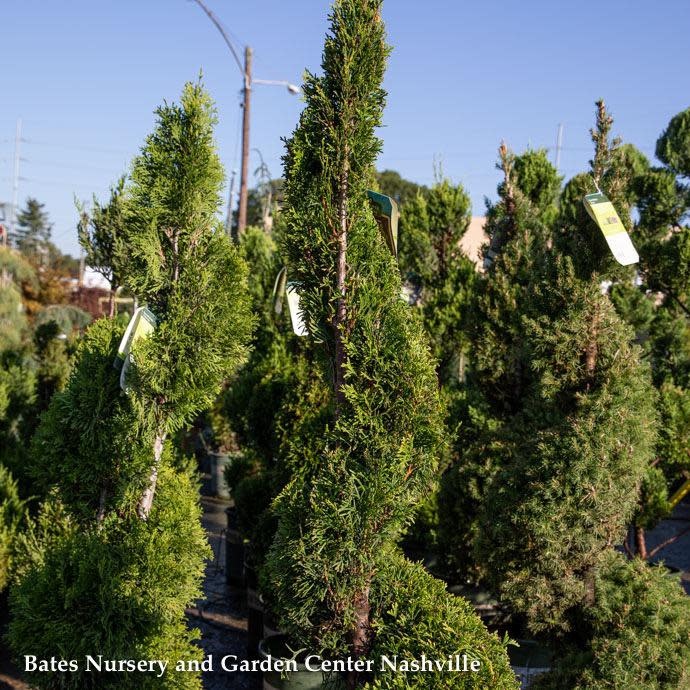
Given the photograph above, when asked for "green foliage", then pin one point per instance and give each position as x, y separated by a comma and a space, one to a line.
392, 184
67, 317
416, 616
576, 234
33, 228
101, 234
567, 423
18, 383
639, 633
556, 504
146, 572
372, 455
12, 512
540, 182
13, 323
435, 223
673, 146
117, 575
90, 443
182, 264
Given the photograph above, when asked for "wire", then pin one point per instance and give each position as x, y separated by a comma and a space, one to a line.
76, 147
53, 164
223, 33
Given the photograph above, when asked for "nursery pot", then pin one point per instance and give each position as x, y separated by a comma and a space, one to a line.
528, 660
255, 612
218, 461
275, 648
234, 551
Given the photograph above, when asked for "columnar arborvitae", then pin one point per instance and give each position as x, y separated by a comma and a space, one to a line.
333, 567
117, 583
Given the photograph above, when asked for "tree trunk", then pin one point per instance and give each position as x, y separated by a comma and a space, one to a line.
146, 500
111, 304
592, 350
641, 542
341, 272
361, 635
100, 516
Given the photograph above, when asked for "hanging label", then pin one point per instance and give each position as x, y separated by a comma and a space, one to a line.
142, 323
296, 315
604, 215
386, 214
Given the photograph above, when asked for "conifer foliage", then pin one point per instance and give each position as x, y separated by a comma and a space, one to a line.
341, 514
581, 428
117, 583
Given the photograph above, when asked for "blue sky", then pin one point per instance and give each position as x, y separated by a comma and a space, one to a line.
86, 76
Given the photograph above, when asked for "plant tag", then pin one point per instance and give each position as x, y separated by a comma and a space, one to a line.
142, 323
604, 215
296, 315
386, 214
279, 290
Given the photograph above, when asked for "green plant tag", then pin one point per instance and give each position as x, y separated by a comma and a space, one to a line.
603, 213
386, 214
142, 323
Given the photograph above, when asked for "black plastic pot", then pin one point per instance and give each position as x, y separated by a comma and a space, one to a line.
234, 551
276, 647
255, 612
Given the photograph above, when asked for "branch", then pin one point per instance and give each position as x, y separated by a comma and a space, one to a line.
668, 542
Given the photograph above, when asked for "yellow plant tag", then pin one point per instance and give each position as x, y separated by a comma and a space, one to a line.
605, 216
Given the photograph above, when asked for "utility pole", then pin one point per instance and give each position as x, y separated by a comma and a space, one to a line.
244, 171
559, 143
15, 175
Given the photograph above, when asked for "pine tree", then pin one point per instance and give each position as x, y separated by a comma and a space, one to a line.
118, 581
33, 228
330, 565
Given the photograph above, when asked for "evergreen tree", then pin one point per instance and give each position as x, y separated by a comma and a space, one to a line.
119, 580
496, 375
581, 426
33, 228
435, 222
101, 236
662, 197
574, 452
340, 515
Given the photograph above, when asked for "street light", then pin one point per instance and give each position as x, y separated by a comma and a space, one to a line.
246, 72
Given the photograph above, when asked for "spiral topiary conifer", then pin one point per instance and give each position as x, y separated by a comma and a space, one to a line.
331, 564
117, 583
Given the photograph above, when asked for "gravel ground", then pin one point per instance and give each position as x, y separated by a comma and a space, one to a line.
221, 615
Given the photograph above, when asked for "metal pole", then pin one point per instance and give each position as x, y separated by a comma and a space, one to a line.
244, 172
15, 175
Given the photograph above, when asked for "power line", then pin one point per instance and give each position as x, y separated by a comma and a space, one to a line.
76, 147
